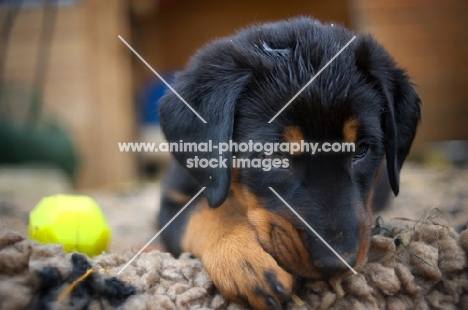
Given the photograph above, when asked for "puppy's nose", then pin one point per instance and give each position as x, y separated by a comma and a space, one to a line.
332, 265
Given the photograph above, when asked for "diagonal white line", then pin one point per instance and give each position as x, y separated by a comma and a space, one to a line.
313, 230
164, 81
312, 79
160, 231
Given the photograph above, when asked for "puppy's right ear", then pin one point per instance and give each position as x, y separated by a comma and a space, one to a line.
211, 85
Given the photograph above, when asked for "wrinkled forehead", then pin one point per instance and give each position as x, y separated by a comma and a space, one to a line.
314, 115
344, 119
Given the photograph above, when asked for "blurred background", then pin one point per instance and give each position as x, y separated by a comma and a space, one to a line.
70, 90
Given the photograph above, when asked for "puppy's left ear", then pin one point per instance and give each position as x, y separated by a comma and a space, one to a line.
401, 108
211, 85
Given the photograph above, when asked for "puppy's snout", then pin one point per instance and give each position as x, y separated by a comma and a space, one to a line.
332, 265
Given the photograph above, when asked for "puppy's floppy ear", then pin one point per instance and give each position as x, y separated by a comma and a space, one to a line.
401, 109
211, 85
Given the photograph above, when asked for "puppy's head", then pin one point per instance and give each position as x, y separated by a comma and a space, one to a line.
239, 83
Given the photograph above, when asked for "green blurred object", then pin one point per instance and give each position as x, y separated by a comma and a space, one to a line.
25, 135
26, 140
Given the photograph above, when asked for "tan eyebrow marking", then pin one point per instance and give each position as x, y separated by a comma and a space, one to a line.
350, 129
293, 134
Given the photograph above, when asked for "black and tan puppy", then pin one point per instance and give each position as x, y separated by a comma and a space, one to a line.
250, 242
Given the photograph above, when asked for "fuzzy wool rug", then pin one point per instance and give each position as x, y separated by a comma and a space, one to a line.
419, 265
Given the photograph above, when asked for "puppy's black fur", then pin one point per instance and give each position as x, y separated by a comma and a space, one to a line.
237, 84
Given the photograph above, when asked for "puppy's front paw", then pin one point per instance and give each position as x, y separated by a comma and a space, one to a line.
245, 273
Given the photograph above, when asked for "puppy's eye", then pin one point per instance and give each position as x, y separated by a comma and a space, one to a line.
272, 156
361, 150
277, 160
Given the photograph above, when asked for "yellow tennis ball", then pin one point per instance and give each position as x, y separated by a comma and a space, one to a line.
75, 222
